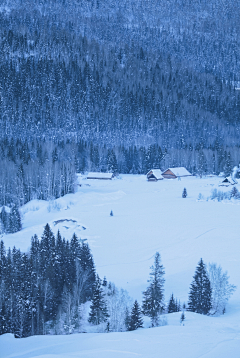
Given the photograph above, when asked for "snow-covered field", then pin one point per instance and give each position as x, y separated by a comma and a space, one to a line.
148, 217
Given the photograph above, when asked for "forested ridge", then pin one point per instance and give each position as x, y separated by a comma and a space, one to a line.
126, 85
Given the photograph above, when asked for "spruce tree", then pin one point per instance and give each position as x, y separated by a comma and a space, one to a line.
15, 223
184, 193
153, 297
172, 307
200, 291
135, 318
88, 269
98, 309
5, 220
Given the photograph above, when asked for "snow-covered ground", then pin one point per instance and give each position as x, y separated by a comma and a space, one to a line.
148, 217
201, 336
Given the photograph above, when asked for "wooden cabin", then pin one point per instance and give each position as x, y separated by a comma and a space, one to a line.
154, 175
100, 176
173, 173
228, 181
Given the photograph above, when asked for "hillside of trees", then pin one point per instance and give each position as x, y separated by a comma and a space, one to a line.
118, 85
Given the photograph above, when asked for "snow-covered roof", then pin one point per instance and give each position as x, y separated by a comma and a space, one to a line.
97, 175
179, 171
229, 180
156, 172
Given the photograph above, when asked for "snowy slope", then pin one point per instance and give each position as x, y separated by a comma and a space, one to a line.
148, 217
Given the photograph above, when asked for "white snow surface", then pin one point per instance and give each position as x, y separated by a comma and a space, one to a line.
147, 217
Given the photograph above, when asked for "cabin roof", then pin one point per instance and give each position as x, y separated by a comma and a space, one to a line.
98, 175
178, 171
229, 180
156, 172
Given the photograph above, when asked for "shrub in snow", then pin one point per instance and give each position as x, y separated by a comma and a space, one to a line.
53, 205
118, 306
220, 287
107, 330
111, 213
184, 193
200, 197
182, 318
235, 193
219, 195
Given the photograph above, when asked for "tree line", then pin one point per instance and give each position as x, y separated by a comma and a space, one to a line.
45, 169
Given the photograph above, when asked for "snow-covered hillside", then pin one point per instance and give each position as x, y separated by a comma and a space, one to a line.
147, 217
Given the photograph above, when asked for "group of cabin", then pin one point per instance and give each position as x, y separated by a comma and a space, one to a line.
170, 173
152, 175
157, 174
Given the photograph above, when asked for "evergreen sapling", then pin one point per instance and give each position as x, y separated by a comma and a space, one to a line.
135, 318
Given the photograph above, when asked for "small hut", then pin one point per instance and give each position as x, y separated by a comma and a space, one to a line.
173, 173
154, 175
228, 181
100, 176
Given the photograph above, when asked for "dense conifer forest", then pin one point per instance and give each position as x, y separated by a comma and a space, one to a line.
119, 86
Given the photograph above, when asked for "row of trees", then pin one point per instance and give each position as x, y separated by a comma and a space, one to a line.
35, 170
209, 293
46, 169
47, 291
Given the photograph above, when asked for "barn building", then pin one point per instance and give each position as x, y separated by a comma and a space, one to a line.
173, 173
154, 175
101, 176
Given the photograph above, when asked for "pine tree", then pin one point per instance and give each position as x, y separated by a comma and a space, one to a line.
98, 309
172, 306
104, 282
88, 269
15, 223
200, 291
135, 318
5, 219
184, 193
111, 213
112, 165
153, 297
